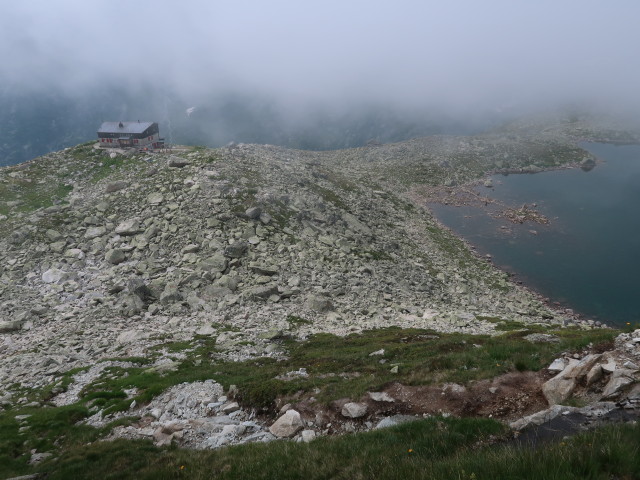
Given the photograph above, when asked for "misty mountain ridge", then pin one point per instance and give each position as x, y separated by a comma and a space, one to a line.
37, 122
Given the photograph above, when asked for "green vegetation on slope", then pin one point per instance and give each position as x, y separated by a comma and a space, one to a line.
435, 448
341, 367
423, 357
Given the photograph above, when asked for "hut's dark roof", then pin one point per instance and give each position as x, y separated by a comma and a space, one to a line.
127, 127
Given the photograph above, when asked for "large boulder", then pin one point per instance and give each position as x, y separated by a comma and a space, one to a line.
560, 387
621, 378
287, 425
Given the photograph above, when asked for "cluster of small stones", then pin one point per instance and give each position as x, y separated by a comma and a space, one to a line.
201, 415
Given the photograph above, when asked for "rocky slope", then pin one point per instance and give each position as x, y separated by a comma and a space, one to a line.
107, 255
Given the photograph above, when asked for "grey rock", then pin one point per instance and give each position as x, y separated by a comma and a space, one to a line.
381, 397
354, 410
634, 394
137, 287
54, 275
92, 220
236, 250
557, 365
395, 420
171, 294
177, 162
191, 248
115, 186
212, 292
620, 379
95, 232
265, 218
130, 336
58, 247
609, 367
253, 212
558, 389
595, 374
227, 281
319, 303
229, 408
271, 334
307, 435
262, 292
39, 457
541, 417
287, 425
542, 338
53, 235
74, 253
10, 326
263, 269
215, 263
18, 237
129, 227
259, 437
115, 256
131, 305
155, 198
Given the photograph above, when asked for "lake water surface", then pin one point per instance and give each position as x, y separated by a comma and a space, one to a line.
588, 257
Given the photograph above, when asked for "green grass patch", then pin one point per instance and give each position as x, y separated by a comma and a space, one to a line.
341, 367
28, 195
435, 448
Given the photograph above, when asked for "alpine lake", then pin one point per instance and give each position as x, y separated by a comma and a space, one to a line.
587, 257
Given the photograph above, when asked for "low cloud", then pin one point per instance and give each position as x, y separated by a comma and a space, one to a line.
458, 56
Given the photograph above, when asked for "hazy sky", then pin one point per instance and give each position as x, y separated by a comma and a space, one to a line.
458, 54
